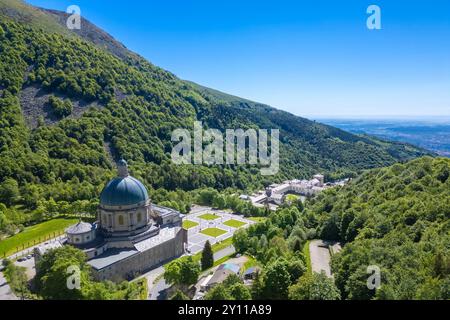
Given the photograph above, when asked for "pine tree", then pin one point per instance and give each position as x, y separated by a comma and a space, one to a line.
207, 256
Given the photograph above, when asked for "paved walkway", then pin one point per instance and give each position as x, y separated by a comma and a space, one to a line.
196, 239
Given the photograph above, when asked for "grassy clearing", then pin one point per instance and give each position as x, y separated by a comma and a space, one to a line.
222, 245
213, 232
251, 262
222, 260
307, 257
34, 234
234, 223
187, 224
208, 216
292, 197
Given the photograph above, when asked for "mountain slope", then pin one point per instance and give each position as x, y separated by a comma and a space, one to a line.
396, 218
120, 105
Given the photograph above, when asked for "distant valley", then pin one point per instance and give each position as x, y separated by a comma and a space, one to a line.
432, 133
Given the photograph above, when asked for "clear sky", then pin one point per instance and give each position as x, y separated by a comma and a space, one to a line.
311, 58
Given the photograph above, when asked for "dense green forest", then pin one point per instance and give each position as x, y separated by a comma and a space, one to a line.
396, 218
70, 107
100, 102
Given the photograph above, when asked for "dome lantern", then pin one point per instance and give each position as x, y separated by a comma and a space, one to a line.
122, 168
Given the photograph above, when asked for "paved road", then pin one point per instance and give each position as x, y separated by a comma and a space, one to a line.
224, 252
5, 290
158, 291
154, 289
320, 257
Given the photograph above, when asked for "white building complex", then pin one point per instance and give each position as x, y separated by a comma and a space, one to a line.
276, 193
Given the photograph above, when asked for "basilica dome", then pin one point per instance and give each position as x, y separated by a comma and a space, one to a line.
123, 190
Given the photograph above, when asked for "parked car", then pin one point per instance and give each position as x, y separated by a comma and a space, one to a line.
29, 256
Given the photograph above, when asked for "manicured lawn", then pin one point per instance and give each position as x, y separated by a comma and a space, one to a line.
234, 223
222, 260
208, 216
213, 232
187, 224
292, 197
34, 234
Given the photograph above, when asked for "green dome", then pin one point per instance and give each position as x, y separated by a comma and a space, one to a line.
123, 191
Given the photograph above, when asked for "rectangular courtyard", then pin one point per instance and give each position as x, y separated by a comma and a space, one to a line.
205, 223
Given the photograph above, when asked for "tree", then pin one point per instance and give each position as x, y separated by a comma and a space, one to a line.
219, 292
276, 281
207, 259
441, 267
207, 196
60, 108
330, 229
9, 191
53, 272
182, 271
314, 287
17, 279
239, 291
240, 240
231, 289
297, 245
179, 295
219, 201
296, 269
58, 266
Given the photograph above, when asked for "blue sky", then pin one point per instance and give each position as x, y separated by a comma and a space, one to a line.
311, 58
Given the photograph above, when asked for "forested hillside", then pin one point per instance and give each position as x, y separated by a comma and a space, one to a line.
72, 104
397, 218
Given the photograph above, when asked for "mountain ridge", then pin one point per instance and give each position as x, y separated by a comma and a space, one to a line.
127, 107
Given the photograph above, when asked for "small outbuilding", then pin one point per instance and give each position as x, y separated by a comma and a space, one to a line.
251, 273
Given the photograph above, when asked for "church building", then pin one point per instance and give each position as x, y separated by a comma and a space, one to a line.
131, 235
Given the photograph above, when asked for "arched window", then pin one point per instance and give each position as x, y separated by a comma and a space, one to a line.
139, 217
121, 222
